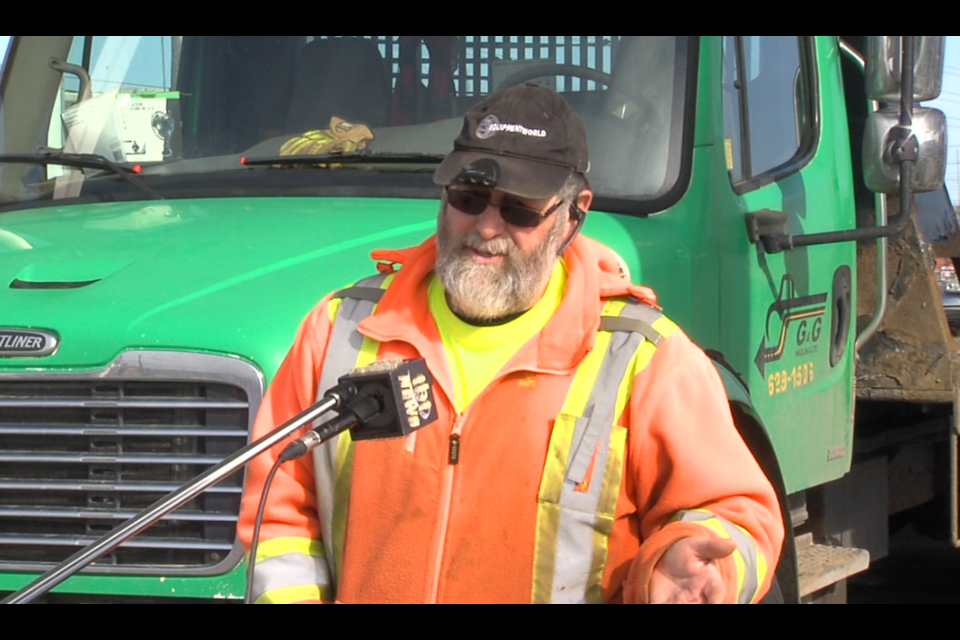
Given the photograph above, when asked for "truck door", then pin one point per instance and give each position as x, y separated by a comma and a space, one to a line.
787, 315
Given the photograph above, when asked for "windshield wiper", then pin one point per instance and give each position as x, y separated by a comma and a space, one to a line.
83, 161
359, 157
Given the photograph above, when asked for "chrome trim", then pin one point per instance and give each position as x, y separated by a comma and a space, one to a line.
123, 404
83, 458
882, 218
51, 342
67, 486
121, 516
133, 544
163, 367
173, 366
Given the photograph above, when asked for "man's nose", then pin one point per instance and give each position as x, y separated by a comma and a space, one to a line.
490, 223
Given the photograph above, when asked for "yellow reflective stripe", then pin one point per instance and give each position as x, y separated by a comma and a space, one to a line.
548, 513
368, 352
341, 498
289, 595
555, 470
640, 361
545, 553
717, 527
613, 478
290, 570
761, 567
747, 557
333, 308
285, 546
665, 327
589, 369
343, 464
609, 497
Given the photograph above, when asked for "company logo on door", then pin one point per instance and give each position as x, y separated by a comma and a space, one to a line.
26, 343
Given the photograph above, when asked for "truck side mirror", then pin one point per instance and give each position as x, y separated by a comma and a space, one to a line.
884, 73
881, 164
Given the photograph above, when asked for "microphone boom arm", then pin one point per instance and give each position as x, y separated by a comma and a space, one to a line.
333, 400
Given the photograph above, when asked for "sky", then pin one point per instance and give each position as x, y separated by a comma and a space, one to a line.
949, 103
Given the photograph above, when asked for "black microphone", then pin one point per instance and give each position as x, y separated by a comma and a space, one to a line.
384, 400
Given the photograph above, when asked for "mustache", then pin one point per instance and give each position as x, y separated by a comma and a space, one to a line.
502, 246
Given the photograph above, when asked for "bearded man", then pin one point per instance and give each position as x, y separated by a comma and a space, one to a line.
584, 452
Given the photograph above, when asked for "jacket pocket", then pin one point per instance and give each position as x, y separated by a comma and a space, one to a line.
577, 473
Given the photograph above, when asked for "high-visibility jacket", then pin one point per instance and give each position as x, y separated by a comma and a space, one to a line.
605, 440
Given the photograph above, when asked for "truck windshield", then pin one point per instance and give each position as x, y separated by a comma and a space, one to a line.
203, 116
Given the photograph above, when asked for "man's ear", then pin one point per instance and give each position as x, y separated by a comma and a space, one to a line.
578, 215
584, 200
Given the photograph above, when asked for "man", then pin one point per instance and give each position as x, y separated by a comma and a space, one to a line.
584, 450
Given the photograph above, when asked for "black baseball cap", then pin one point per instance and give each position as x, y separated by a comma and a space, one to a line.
523, 140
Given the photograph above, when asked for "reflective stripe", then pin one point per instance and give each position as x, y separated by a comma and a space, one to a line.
642, 321
290, 570
583, 473
751, 565
293, 595
346, 350
282, 546
368, 294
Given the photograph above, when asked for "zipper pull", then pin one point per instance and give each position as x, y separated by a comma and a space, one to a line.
454, 450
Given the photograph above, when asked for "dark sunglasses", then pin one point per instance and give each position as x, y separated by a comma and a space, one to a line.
473, 203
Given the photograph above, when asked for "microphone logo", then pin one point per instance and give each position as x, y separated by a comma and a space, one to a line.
415, 394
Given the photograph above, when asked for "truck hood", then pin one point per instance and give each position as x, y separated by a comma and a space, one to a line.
226, 276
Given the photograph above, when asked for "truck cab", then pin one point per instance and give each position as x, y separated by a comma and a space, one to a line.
172, 206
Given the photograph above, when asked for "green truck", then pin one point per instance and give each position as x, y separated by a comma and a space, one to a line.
172, 206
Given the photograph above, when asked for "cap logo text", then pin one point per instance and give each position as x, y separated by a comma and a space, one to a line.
491, 126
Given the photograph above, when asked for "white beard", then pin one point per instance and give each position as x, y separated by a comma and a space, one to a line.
489, 292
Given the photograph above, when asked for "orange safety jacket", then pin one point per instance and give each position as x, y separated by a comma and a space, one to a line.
598, 446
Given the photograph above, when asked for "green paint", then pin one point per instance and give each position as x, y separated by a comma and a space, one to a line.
236, 276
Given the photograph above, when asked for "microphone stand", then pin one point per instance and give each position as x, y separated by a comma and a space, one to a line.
333, 400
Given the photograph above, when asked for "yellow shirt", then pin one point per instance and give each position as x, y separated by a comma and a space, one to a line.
477, 355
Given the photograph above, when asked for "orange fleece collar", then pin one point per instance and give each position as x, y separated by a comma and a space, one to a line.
593, 276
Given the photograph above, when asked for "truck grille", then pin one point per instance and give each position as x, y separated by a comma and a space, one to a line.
82, 453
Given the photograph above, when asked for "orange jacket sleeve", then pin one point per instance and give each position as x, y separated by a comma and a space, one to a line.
693, 476
290, 519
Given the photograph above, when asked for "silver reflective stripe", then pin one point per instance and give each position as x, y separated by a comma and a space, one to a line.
361, 293
745, 546
638, 317
580, 519
291, 570
644, 328
343, 349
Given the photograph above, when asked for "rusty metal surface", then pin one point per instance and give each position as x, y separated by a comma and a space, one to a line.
939, 223
912, 358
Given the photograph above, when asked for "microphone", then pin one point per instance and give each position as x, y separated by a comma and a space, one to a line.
384, 400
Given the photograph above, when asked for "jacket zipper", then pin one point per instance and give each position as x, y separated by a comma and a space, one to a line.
453, 460
446, 503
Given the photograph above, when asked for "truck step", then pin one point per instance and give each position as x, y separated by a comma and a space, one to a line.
821, 566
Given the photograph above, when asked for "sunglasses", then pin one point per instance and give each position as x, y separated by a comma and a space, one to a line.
473, 203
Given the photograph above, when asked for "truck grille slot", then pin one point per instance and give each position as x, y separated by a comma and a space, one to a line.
78, 457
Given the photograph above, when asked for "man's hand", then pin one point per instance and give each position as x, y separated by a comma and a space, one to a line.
689, 572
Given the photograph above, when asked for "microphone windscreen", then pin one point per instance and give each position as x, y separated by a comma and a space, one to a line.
404, 389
